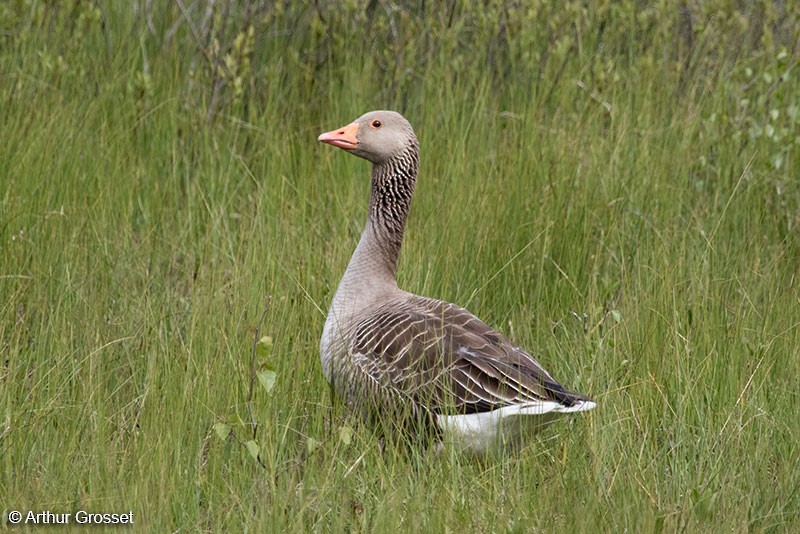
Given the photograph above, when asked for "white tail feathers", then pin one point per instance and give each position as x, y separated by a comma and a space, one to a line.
481, 432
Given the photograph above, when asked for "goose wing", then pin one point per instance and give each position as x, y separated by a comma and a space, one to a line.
444, 358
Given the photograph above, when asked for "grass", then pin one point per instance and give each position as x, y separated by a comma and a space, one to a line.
648, 255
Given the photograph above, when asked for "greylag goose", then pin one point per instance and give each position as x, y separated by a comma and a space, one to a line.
412, 359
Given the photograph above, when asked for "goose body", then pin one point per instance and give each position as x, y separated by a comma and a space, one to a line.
412, 359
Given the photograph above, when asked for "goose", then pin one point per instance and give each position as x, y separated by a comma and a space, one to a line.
418, 362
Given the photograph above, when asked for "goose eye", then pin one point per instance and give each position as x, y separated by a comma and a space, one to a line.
376, 124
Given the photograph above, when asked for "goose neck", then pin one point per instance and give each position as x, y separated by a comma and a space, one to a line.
393, 184
374, 262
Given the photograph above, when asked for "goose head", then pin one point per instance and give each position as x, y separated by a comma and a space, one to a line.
377, 136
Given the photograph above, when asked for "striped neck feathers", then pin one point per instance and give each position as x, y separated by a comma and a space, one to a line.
393, 183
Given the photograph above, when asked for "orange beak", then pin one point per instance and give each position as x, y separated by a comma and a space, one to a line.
343, 137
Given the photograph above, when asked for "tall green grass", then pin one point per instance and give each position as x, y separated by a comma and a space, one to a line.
614, 186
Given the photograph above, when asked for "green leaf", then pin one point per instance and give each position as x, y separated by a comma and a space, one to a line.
223, 430
267, 379
264, 347
253, 449
345, 435
616, 315
312, 445
793, 111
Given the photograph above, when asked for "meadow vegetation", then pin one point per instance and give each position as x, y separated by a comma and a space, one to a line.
615, 185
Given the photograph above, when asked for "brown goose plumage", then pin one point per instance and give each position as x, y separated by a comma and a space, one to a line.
398, 355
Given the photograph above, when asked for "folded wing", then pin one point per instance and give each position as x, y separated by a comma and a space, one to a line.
447, 361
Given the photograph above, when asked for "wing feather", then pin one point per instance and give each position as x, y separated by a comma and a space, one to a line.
445, 359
